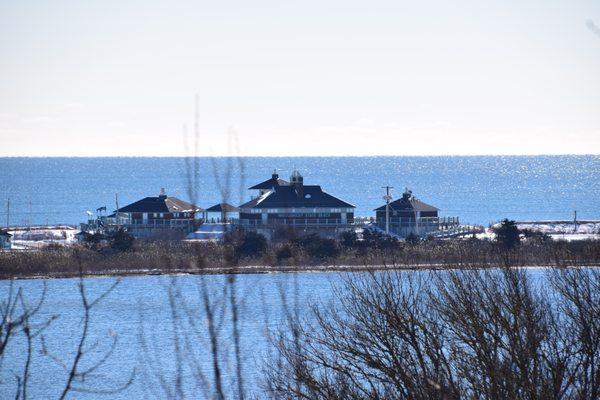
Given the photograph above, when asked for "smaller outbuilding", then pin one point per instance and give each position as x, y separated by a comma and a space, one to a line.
225, 211
5, 240
162, 217
409, 215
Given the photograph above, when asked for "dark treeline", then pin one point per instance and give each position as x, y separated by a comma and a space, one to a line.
291, 251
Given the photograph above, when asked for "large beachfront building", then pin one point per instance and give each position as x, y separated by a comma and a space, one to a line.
304, 208
409, 215
158, 217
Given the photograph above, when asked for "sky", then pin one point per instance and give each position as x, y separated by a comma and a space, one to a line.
311, 77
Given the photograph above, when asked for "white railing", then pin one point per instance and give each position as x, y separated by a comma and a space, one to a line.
324, 222
160, 224
425, 222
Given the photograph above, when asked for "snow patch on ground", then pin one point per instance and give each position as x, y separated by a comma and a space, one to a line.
39, 237
557, 230
563, 228
209, 232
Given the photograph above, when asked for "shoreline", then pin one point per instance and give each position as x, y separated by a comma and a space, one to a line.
263, 269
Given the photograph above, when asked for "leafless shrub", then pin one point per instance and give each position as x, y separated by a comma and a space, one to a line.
501, 334
445, 335
204, 355
17, 317
85, 379
593, 27
197, 323
579, 294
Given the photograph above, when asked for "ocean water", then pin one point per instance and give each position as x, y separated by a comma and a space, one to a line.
479, 190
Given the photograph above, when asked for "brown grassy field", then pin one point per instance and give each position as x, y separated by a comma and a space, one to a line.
199, 258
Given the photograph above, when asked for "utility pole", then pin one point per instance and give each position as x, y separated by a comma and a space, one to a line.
7, 213
387, 199
117, 212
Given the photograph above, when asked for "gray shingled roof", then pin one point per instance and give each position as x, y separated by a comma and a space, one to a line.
310, 196
222, 207
408, 204
274, 181
160, 204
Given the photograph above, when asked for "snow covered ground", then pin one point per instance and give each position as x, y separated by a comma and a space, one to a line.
557, 230
562, 227
38, 237
209, 232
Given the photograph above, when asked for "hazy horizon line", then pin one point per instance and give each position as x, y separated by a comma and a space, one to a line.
314, 156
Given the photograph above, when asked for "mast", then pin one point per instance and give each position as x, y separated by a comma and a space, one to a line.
7, 213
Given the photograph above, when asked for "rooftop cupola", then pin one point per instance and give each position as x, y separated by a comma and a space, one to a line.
163, 194
297, 181
296, 178
407, 195
275, 175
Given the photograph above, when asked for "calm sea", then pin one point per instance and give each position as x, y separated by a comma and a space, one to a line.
479, 190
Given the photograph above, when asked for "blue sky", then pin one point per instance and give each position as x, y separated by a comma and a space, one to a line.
86, 78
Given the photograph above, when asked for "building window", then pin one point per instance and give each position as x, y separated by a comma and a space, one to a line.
162, 215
